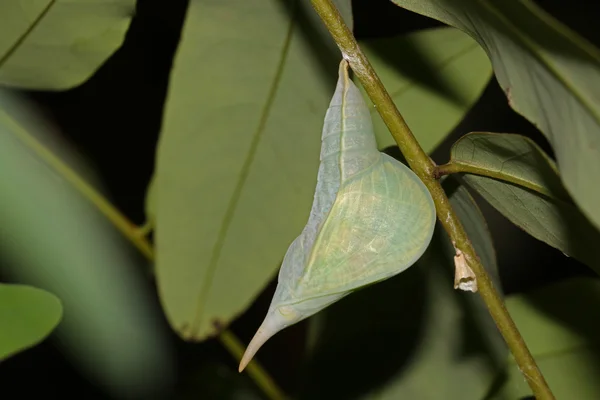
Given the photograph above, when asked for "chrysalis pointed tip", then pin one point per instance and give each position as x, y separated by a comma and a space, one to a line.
267, 329
243, 365
247, 357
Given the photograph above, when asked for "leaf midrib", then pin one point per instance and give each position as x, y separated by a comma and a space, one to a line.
242, 177
479, 170
27, 32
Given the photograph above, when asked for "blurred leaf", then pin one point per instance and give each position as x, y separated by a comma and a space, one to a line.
549, 74
27, 316
540, 206
53, 238
54, 44
238, 155
390, 340
560, 327
434, 77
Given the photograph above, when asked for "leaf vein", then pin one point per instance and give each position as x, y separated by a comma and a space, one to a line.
27, 32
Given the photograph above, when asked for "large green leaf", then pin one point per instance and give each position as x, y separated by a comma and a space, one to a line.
434, 76
535, 200
53, 238
550, 75
560, 326
390, 340
238, 155
27, 316
58, 44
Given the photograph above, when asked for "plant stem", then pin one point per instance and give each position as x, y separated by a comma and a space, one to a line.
424, 167
254, 369
137, 237
454, 167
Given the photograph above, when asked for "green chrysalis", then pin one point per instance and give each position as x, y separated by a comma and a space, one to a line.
371, 219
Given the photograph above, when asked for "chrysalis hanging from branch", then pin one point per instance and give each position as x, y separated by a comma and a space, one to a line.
371, 219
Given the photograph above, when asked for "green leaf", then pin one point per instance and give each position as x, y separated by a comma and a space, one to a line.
558, 322
388, 340
434, 77
533, 198
238, 155
27, 316
549, 74
56, 44
53, 238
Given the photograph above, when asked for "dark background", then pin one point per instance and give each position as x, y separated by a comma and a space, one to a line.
114, 120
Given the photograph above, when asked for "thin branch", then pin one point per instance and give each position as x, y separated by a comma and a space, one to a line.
424, 167
137, 237
254, 369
